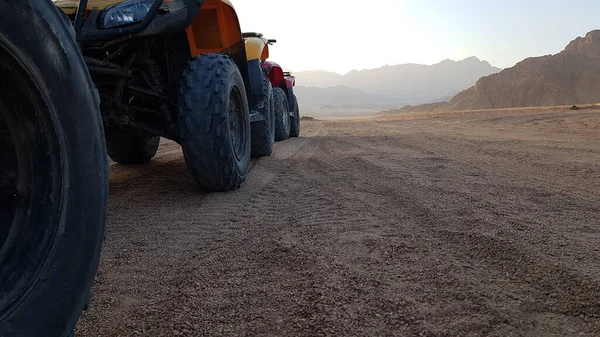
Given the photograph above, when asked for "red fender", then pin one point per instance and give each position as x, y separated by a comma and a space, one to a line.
290, 81
275, 74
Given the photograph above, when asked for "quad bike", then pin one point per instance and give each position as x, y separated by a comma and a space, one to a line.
287, 113
290, 81
177, 69
257, 50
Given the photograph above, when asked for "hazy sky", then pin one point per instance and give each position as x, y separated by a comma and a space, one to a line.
340, 35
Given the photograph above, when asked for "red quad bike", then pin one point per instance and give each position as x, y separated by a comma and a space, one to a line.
287, 113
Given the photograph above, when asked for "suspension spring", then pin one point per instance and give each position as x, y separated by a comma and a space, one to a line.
158, 86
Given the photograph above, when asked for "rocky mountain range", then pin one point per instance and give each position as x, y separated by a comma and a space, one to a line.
406, 83
570, 77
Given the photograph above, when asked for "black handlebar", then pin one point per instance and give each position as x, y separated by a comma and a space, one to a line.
79, 17
258, 35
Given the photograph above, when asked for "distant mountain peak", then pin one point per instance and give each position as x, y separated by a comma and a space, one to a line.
473, 59
567, 78
406, 83
588, 45
447, 61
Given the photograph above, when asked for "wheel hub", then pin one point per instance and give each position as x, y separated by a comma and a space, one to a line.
286, 118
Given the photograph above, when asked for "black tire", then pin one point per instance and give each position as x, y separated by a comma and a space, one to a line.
282, 115
53, 173
131, 150
263, 132
295, 119
215, 123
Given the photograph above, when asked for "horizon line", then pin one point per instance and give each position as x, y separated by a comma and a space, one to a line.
395, 65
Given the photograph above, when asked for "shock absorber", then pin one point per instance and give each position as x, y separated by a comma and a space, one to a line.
158, 86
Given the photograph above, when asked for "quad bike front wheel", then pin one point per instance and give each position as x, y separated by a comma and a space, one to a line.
214, 119
53, 173
263, 131
295, 119
124, 149
282, 115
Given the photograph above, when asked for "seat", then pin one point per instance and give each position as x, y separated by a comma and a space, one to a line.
252, 34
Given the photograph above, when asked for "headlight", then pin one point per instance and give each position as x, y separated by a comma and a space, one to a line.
125, 13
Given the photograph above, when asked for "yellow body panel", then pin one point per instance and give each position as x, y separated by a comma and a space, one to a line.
257, 48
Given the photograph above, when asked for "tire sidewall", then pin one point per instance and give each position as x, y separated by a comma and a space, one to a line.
296, 110
205, 133
263, 131
295, 122
282, 114
241, 164
287, 116
271, 103
128, 150
47, 50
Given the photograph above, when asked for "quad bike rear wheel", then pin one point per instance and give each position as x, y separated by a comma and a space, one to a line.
263, 132
295, 120
282, 115
214, 119
131, 150
53, 173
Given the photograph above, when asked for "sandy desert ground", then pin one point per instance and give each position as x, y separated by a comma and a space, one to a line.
423, 224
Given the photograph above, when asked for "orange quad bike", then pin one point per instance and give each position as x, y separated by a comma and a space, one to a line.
78, 81
179, 70
287, 113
